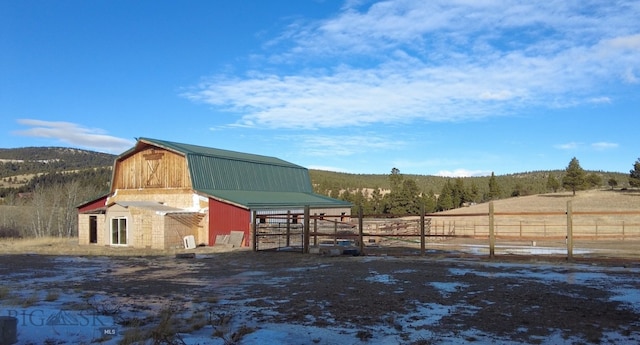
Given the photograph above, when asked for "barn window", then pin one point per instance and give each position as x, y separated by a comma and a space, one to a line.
119, 231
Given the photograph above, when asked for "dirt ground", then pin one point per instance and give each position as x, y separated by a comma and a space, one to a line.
522, 299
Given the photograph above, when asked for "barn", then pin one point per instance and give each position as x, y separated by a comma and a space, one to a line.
164, 192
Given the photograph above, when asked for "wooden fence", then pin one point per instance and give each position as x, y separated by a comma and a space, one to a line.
367, 233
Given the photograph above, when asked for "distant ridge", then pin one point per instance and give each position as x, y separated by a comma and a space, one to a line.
71, 156
21, 169
23, 164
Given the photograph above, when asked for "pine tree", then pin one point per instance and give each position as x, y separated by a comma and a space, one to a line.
575, 176
494, 189
395, 179
445, 201
634, 175
458, 193
376, 201
552, 183
593, 180
429, 201
474, 192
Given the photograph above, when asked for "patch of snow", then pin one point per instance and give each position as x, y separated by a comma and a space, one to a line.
629, 296
58, 321
381, 278
446, 288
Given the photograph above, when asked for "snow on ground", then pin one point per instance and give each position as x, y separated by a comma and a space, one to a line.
63, 320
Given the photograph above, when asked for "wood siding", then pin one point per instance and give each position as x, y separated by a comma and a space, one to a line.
180, 198
151, 168
223, 218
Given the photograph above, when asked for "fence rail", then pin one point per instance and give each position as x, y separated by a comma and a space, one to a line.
280, 231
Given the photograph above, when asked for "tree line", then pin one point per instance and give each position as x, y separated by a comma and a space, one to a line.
33, 160
404, 195
47, 204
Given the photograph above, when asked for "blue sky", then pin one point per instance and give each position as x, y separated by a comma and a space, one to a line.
452, 88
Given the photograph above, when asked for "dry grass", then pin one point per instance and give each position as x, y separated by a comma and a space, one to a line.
70, 246
591, 200
607, 221
606, 203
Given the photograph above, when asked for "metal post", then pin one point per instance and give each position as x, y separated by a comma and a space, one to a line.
361, 230
315, 229
492, 236
254, 225
305, 244
289, 228
422, 232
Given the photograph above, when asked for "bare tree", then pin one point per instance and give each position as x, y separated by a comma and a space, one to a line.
68, 216
45, 202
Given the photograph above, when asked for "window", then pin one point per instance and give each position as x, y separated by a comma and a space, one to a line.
119, 231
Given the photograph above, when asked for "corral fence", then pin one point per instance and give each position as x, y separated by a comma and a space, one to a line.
286, 231
506, 232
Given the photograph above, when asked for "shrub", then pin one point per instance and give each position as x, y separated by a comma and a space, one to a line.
9, 232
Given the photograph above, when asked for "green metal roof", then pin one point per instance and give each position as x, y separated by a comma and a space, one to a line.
247, 179
188, 149
261, 199
218, 173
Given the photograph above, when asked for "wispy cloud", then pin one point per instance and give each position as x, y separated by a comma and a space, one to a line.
328, 168
319, 145
603, 99
405, 61
601, 146
463, 173
74, 134
568, 146
598, 146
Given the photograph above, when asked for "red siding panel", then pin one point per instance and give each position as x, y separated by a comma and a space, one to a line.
93, 205
223, 218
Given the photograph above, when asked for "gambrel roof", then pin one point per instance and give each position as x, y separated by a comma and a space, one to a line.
249, 180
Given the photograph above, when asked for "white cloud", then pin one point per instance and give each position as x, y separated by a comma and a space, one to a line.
630, 76
600, 146
568, 146
462, 173
496, 95
406, 61
74, 134
602, 99
630, 42
342, 145
327, 168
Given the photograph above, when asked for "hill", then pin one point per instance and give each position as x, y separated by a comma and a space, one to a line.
605, 200
518, 184
54, 157
21, 169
